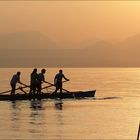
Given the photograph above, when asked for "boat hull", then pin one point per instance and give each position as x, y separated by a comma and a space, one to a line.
70, 95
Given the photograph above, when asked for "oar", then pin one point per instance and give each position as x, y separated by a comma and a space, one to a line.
47, 86
51, 85
15, 89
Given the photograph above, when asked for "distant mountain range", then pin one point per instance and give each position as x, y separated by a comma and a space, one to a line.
34, 49
25, 40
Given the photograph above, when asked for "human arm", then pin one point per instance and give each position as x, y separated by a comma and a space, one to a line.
20, 82
65, 78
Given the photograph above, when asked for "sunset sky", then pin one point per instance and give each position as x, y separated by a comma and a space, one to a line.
74, 21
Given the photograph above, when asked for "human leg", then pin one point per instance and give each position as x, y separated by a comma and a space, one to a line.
13, 87
39, 89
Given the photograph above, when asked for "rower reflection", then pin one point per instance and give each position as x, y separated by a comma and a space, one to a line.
36, 104
58, 103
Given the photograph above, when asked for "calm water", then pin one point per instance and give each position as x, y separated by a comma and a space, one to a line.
114, 114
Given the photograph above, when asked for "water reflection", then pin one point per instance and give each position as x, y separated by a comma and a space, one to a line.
14, 105
58, 103
59, 125
35, 120
36, 117
15, 111
36, 104
15, 116
36, 107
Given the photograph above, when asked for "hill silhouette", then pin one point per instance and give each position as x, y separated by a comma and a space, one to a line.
25, 40
30, 49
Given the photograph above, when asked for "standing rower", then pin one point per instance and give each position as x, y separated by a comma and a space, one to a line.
34, 81
41, 79
58, 81
15, 79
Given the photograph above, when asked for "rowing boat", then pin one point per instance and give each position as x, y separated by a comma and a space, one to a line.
74, 94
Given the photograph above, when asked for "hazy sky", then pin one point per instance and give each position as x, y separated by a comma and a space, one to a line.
72, 20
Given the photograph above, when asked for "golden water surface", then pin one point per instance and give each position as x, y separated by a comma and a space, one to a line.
113, 114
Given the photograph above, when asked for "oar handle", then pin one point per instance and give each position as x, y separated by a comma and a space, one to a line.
25, 85
47, 86
54, 85
15, 89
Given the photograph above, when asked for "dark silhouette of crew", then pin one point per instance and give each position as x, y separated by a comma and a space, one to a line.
58, 81
33, 81
41, 79
15, 79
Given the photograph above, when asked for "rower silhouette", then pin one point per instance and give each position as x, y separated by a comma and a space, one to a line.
58, 81
33, 81
41, 79
15, 79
